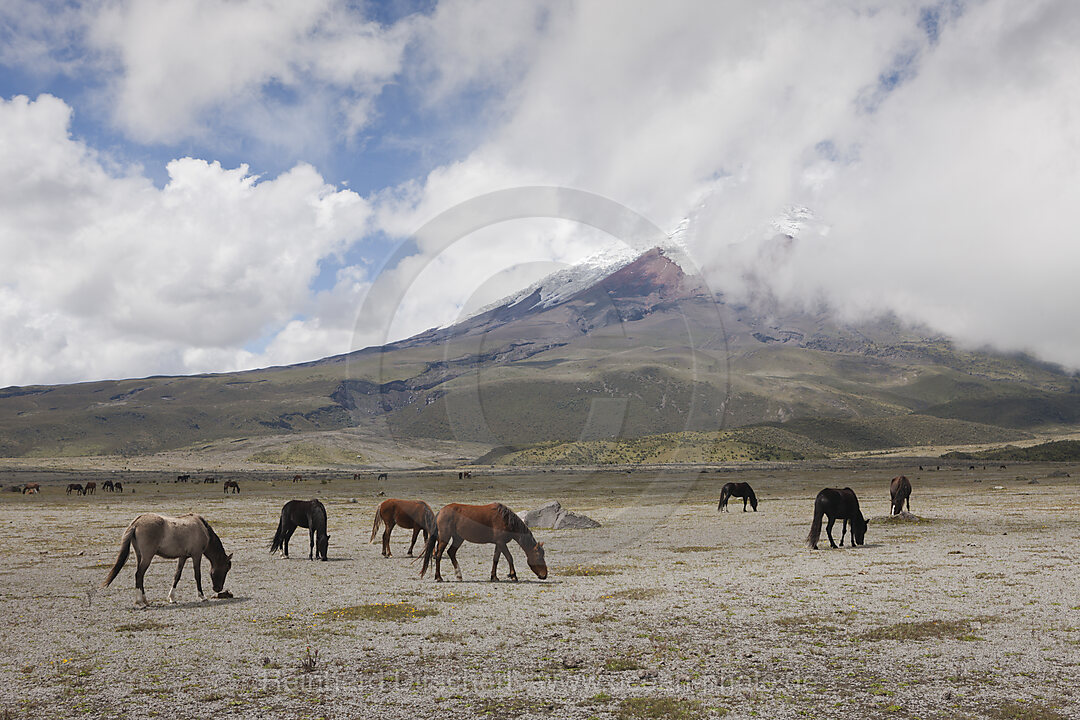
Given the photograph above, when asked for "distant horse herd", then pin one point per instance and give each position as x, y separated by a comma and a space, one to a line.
191, 536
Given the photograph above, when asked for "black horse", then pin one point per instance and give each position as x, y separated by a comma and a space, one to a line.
900, 492
838, 505
742, 490
308, 514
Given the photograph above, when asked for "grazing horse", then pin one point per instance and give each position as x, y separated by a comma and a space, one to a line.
209, 480
231, 485
484, 524
90, 488
308, 514
415, 515
107, 486
297, 478
119, 487
838, 505
899, 492
183, 478
742, 490
31, 488
187, 536
76, 487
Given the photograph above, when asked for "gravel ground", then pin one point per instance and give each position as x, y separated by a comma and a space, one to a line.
669, 610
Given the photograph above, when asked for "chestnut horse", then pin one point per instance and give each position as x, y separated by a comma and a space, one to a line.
31, 488
899, 492
484, 524
838, 505
187, 536
742, 490
415, 515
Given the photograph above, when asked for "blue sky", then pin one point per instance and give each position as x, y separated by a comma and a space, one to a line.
209, 185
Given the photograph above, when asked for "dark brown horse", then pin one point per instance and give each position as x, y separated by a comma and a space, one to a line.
310, 514
187, 536
90, 488
76, 487
484, 524
742, 490
838, 505
107, 486
119, 487
231, 485
900, 492
415, 515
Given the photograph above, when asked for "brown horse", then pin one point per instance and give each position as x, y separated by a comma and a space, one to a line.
415, 515
107, 486
119, 487
90, 488
31, 488
899, 492
187, 536
484, 524
231, 485
76, 487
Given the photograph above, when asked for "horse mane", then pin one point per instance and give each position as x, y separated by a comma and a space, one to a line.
513, 523
215, 542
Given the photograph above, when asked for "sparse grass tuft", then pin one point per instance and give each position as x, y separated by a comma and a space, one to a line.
621, 664
694, 548
645, 708
140, 626
926, 630
586, 571
398, 612
1020, 710
634, 594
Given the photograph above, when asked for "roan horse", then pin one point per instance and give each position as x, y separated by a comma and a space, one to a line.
415, 515
900, 492
742, 490
187, 536
838, 505
492, 523
308, 514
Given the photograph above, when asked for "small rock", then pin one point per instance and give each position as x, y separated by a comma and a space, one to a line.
646, 674
571, 662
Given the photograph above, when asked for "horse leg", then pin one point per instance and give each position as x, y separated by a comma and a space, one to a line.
285, 543
386, 538
509, 558
843, 531
438, 559
744, 501
176, 578
196, 565
415, 534
140, 573
311, 541
495, 564
828, 531
452, 553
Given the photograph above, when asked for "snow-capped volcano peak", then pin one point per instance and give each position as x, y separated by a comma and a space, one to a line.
569, 281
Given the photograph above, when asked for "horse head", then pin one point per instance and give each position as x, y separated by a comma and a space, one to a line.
858, 529
219, 571
321, 543
535, 558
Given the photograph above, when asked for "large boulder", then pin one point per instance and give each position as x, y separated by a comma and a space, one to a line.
552, 515
543, 516
573, 521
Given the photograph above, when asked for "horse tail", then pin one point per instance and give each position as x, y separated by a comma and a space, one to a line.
279, 536
815, 527
724, 493
375, 525
429, 548
122, 556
